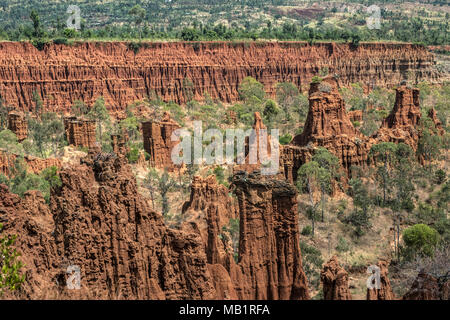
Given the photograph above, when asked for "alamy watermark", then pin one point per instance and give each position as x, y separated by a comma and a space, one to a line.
74, 20
73, 281
208, 147
374, 281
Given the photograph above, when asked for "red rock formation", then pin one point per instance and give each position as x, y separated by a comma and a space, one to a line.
31, 220
119, 142
269, 252
210, 208
356, 115
18, 124
34, 164
427, 287
122, 247
385, 291
80, 132
85, 71
402, 123
158, 143
328, 125
334, 280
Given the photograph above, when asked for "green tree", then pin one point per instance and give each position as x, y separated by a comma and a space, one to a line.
287, 95
138, 14
8, 141
10, 267
79, 108
421, 240
47, 133
311, 177
251, 88
38, 104
383, 152
359, 218
100, 114
331, 165
270, 110
36, 23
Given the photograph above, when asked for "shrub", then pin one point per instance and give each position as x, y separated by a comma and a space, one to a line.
285, 139
343, 245
10, 267
306, 231
421, 240
316, 79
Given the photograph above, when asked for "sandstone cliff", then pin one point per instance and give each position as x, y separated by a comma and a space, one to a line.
334, 280
62, 73
385, 292
269, 251
427, 287
158, 143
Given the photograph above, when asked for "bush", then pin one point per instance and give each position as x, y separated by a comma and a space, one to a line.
10, 267
316, 79
343, 245
440, 176
312, 263
285, 139
421, 240
307, 231
133, 155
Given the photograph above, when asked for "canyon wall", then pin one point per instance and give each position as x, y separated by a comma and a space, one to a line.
61, 74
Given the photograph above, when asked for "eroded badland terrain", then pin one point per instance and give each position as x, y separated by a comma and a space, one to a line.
87, 178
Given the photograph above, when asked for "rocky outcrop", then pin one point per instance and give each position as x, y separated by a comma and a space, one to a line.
210, 208
427, 287
385, 292
355, 115
158, 143
103, 225
86, 70
80, 132
34, 164
98, 222
32, 221
328, 125
402, 123
269, 251
334, 280
119, 142
18, 124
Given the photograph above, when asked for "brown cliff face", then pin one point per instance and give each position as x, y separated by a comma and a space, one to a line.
18, 124
123, 248
385, 291
356, 115
80, 132
119, 143
269, 251
158, 143
427, 287
31, 219
334, 279
34, 164
98, 221
402, 123
210, 208
84, 71
328, 125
